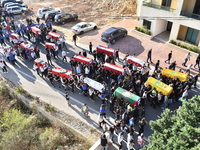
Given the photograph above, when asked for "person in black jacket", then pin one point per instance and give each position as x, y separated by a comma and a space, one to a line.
104, 142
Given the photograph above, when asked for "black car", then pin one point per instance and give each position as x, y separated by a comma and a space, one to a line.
50, 16
112, 34
65, 17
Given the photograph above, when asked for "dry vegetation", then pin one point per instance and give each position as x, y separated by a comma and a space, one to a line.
100, 11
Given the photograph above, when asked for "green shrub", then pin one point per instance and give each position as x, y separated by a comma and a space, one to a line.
48, 107
143, 30
186, 46
4, 92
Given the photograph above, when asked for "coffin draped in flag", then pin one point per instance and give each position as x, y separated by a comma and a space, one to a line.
106, 50
27, 46
127, 96
159, 86
35, 30
50, 45
136, 61
54, 35
39, 62
94, 84
175, 74
14, 36
114, 68
82, 59
62, 72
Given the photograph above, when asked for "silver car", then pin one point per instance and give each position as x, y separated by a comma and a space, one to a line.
83, 27
15, 10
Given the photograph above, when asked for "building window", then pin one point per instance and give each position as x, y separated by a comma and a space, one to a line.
191, 35
147, 24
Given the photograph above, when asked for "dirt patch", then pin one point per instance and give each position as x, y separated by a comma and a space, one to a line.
98, 11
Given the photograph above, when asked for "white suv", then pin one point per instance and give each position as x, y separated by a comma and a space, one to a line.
42, 11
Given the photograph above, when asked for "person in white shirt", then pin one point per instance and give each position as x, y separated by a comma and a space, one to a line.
130, 136
188, 69
33, 56
87, 71
130, 145
64, 54
48, 38
120, 139
78, 69
187, 57
15, 41
58, 42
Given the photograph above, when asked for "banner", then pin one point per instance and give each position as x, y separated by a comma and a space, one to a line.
126, 95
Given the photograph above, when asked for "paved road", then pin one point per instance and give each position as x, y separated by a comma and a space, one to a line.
23, 74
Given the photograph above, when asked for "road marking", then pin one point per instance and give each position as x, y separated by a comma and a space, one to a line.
76, 100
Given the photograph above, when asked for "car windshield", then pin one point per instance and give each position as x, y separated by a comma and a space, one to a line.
77, 26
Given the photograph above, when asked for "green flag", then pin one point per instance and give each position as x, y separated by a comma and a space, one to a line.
126, 95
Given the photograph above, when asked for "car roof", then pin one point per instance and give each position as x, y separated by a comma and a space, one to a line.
111, 30
82, 23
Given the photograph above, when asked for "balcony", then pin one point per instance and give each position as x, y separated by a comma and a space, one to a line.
149, 4
191, 15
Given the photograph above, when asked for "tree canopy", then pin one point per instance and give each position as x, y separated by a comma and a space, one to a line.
179, 130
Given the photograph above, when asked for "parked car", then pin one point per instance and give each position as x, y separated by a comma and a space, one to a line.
15, 10
83, 27
42, 11
23, 6
112, 34
50, 16
10, 1
65, 17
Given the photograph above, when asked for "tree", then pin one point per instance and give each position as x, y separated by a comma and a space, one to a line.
179, 130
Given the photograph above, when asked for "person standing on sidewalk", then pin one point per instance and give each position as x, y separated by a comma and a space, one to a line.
104, 142
169, 58
74, 38
67, 97
187, 57
149, 56
90, 47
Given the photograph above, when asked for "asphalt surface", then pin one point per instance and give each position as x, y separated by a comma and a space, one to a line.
23, 74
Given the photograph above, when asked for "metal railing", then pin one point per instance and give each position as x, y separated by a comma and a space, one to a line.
149, 4
191, 15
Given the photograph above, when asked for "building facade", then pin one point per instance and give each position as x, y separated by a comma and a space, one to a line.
181, 18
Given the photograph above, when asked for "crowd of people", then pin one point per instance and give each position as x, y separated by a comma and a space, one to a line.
133, 79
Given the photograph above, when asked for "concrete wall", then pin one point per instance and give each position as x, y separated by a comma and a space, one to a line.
159, 27
188, 6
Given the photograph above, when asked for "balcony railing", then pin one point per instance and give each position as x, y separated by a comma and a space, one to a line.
194, 16
149, 4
